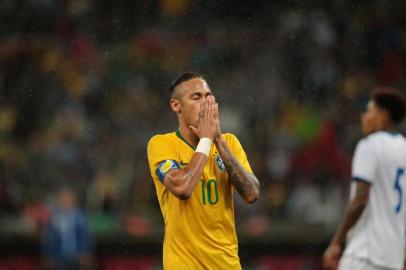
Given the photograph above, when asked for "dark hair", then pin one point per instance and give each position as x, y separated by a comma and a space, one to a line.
183, 78
392, 101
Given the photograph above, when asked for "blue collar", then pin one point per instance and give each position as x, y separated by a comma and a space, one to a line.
392, 132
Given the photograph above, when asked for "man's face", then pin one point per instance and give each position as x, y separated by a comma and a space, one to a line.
188, 99
372, 119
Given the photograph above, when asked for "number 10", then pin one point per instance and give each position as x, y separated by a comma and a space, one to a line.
210, 187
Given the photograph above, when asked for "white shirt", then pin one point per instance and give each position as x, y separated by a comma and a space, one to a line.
379, 234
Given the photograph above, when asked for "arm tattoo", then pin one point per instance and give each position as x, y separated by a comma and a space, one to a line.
244, 182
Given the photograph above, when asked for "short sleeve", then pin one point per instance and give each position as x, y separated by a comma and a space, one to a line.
162, 157
364, 162
238, 151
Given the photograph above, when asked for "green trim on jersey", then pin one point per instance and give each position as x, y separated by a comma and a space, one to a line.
183, 139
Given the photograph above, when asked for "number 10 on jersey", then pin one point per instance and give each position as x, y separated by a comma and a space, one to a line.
210, 191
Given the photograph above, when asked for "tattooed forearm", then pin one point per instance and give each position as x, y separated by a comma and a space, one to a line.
244, 182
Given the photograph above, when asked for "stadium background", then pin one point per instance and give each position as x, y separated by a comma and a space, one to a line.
84, 85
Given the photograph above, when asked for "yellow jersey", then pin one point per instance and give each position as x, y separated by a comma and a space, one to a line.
199, 232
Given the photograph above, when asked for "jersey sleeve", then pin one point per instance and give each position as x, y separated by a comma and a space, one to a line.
162, 157
364, 162
238, 151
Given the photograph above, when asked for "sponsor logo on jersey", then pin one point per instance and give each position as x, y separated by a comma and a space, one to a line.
183, 164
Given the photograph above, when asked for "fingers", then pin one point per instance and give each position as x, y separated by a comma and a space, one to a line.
216, 111
210, 109
207, 125
211, 100
211, 103
201, 112
207, 108
213, 111
203, 109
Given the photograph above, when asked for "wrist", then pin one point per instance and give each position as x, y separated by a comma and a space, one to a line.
210, 137
204, 146
218, 138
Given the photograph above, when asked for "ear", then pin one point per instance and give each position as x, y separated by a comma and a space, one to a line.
175, 105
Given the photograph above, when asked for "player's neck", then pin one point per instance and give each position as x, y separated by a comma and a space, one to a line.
188, 135
388, 127
385, 128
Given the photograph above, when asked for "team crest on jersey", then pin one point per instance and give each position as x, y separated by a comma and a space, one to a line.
219, 163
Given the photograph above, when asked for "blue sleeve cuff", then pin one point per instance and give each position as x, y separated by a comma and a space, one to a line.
361, 179
164, 167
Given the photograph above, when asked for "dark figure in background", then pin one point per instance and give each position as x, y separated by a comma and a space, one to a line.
66, 243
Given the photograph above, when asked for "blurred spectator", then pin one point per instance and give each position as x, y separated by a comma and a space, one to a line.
66, 240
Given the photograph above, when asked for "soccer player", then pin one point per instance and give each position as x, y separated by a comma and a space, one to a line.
195, 171
375, 220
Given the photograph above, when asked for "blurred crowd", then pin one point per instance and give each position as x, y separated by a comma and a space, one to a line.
84, 85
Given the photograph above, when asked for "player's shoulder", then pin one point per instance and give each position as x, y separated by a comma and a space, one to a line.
369, 140
229, 136
382, 135
371, 137
161, 138
377, 139
232, 141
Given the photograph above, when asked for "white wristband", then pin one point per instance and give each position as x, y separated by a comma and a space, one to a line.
204, 146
